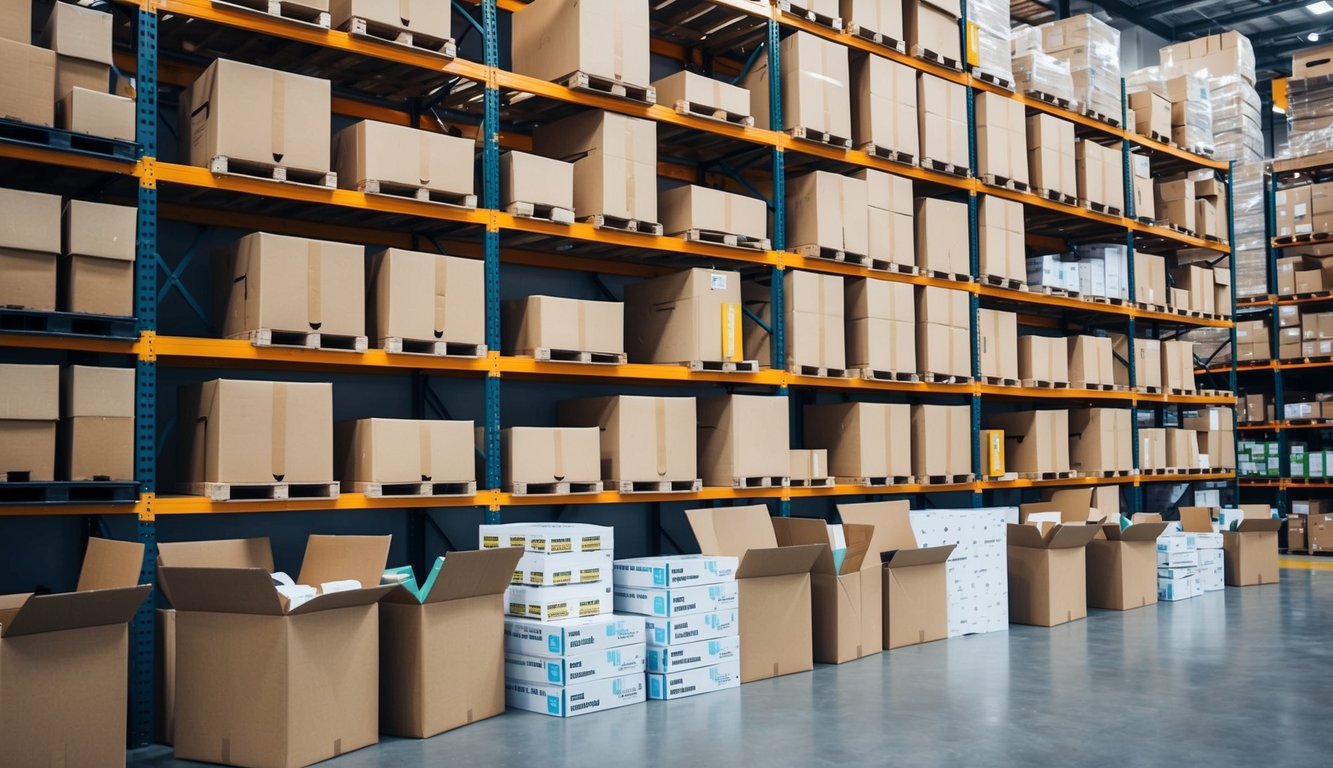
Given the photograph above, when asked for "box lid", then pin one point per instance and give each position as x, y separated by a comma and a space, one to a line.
466, 574
747, 532
803, 530
893, 539
1060, 536
1134, 532
1196, 519
223, 553
334, 558
109, 564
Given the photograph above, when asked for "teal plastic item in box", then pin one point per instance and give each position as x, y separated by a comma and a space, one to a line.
407, 578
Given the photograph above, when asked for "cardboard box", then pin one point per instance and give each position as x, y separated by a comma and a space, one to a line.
536, 180
218, 115
816, 87
78, 32
74, 73
545, 455
941, 245
775, 588
742, 436
890, 214
702, 94
1297, 540
1043, 358
403, 451
97, 422
932, 28
98, 114
643, 439
1101, 440
1178, 365
556, 323
1001, 128
425, 298
256, 432
1091, 361
64, 662
99, 251
1150, 279
691, 207
881, 325
1198, 281
545, 569
29, 246
864, 440
372, 156
997, 343
556, 602
423, 18
580, 699
1315, 533
1048, 572
809, 466
884, 97
26, 96
548, 538
16, 20
826, 210
1122, 566
719, 676
694, 315
230, 710
942, 121
602, 38
1051, 165
1145, 202
1034, 441
1152, 114
1175, 202
941, 440
615, 162
676, 601
1182, 449
943, 332
674, 571
1251, 552
690, 629
568, 636
258, 276
815, 321
575, 668
1002, 231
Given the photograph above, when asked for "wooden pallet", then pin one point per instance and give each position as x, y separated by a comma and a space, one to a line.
880, 265
804, 12
228, 166
1043, 384
1004, 182
268, 337
829, 254
18, 488
1160, 138
819, 137
418, 193
1114, 122
628, 487
1061, 475
1102, 208
1050, 290
935, 57
577, 356
820, 371
723, 366
707, 112
1156, 471
603, 221
1093, 386
856, 30
1176, 228
1146, 390
56, 138
1103, 473
889, 155
606, 86
871, 374
398, 346
281, 8
1203, 150
564, 488
1058, 197
957, 277
876, 482
551, 213
760, 482
944, 378
713, 237
263, 491
998, 81
1180, 391
938, 166
418, 489
386, 33
1046, 98
1000, 381
943, 479
814, 482
67, 323
1216, 393
1308, 237
1003, 282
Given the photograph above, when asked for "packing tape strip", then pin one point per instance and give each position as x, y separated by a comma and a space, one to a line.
314, 285
630, 154
279, 444
659, 409
279, 124
426, 449
441, 284
423, 157
558, 446
405, 15
618, 40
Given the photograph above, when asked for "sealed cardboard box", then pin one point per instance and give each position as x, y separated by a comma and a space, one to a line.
1043, 358
702, 95
674, 571
881, 325
890, 217
1048, 572
29, 247
64, 663
256, 432
882, 16
931, 27
847, 601
809, 466
742, 437
74, 73
218, 114
943, 340
1175, 202
615, 162
425, 298
78, 32
884, 108
1295, 214
1150, 279
1051, 165
698, 680
692, 207
815, 321
776, 621
97, 417
644, 440
1152, 114
98, 114
1182, 449
828, 211
16, 20
549, 455
259, 276
1122, 566
1001, 137
1145, 203
29, 410
941, 245
1178, 365
99, 250
544, 323
1003, 247
605, 39
1101, 440
816, 87
26, 96
1090, 361
942, 121
1198, 281
427, 21
371, 156
1034, 441
536, 181
684, 317
377, 452
864, 440
941, 440
1152, 449
997, 343
576, 668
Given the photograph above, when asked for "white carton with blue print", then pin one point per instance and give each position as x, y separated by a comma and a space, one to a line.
669, 659
685, 601
580, 699
539, 569
674, 571
678, 685
577, 668
571, 636
1179, 584
691, 629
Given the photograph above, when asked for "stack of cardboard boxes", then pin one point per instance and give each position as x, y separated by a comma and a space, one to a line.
81, 39
816, 89
615, 162
1036, 443
602, 39
941, 443
1216, 435
1175, 202
685, 317
414, 457
1051, 165
997, 345
1001, 124
1310, 526
1036, 71
1092, 48
890, 209
1253, 343
884, 106
865, 441
1002, 234
92, 408
827, 212
1043, 359
943, 332
881, 326
1091, 361
1100, 441
1099, 176
647, 443
932, 28
942, 120
743, 441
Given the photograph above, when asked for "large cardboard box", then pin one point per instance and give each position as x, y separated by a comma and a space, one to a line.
99, 251
1295, 213
943, 332
16, 20
536, 180
742, 436
941, 440
683, 317
1043, 358
884, 108
702, 94
933, 27
1153, 449
881, 325
1034, 441
442, 645
97, 419
816, 87
864, 440
25, 95
882, 16
1091, 361
403, 451
847, 599
713, 210
1122, 566
776, 620
1251, 551
318, 695
64, 663
942, 121
557, 323
1001, 137
1051, 165
1175, 202
78, 32
997, 343
1003, 232
548, 455
1152, 114
1150, 279
1182, 449
1198, 281
74, 73
423, 18
815, 321
1048, 572
1101, 440
396, 157
1178, 365
890, 212
256, 432
605, 39
98, 114
828, 211
425, 297
615, 162
218, 114
643, 439
941, 245
261, 279
29, 247
29, 410
1099, 174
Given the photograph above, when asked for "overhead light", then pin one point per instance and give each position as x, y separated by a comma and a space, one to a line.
1320, 8
1313, 37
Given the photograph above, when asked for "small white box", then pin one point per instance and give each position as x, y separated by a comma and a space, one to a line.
577, 668
1171, 590
1189, 559
689, 629
674, 571
552, 603
572, 700
540, 569
1174, 541
668, 659
685, 601
552, 538
678, 685
1212, 498
1207, 541
571, 636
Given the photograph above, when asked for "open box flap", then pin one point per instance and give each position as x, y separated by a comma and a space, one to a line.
779, 561
348, 599
858, 546
75, 610
110, 564
469, 574
1196, 519
1134, 532
222, 590
1072, 535
732, 530
794, 531
890, 521
1146, 517
10, 606
223, 553
906, 558
1260, 525
336, 558
1025, 535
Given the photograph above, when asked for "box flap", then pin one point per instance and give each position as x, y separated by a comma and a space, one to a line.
795, 531
1024, 535
335, 558
858, 546
1135, 532
1071, 535
473, 573
779, 561
732, 530
221, 590
1196, 519
906, 558
1146, 517
891, 523
349, 599
75, 610
1072, 508
223, 553
9, 607
1258, 526
110, 564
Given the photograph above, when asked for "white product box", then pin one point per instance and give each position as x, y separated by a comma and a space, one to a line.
978, 569
1210, 498
577, 668
1208, 541
1211, 575
1173, 541
685, 601
668, 659
674, 571
552, 538
572, 700
1182, 559
571, 636
551, 603
1092, 275
678, 685
540, 569
690, 629
1171, 590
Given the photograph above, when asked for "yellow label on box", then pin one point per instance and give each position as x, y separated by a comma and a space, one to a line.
992, 449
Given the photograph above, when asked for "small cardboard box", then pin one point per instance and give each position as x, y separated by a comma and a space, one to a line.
1034, 441
557, 323
442, 646
943, 332
544, 455
884, 108
864, 440
29, 247
1178, 365
913, 578
690, 629
29, 410
847, 600
941, 245
668, 659
702, 94
816, 86
551, 603
742, 436
568, 636
691, 207
828, 211
396, 157
403, 451
1043, 358
1091, 360
692, 682
97, 272
941, 442
218, 114
1182, 449
601, 38
683, 317
1150, 279
942, 121
64, 662
776, 621
98, 114
97, 419
1122, 566
997, 343
26, 96
1175, 202
536, 180
79, 33
262, 279
423, 18
615, 162
643, 439
881, 325
1048, 572
425, 297
1199, 282
1152, 113
809, 466
1001, 137
542, 569
74, 73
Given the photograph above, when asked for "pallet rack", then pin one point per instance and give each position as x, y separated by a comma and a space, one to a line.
165, 191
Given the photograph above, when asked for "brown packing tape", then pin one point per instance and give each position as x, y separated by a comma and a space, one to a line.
279, 125
279, 431
661, 425
314, 286
630, 155
426, 449
822, 350
618, 38
441, 283
423, 157
405, 15
558, 446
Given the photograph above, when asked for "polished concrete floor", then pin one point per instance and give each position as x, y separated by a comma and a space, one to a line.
1233, 678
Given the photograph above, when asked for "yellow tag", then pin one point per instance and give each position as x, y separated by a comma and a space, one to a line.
973, 44
732, 346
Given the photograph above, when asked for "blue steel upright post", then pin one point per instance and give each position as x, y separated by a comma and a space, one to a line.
1233, 379
490, 163
777, 340
973, 297
1127, 172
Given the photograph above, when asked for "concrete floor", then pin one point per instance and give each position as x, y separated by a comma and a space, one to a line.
1230, 678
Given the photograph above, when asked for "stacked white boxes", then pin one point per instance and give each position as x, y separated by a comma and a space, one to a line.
991, 19
565, 653
978, 569
1178, 566
690, 607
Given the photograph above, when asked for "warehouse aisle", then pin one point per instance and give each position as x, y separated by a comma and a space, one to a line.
1204, 681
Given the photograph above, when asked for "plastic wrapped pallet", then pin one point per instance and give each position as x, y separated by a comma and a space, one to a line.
1249, 233
991, 18
1024, 39
1092, 48
1043, 73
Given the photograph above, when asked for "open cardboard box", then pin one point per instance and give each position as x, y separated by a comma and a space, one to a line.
847, 613
1121, 562
913, 579
64, 670
1047, 567
1250, 549
775, 616
317, 696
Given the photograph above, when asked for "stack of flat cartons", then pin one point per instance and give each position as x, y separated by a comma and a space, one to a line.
1001, 139
941, 446
375, 157
1043, 359
548, 459
1177, 566
694, 93
1036, 443
647, 443
976, 572
997, 345
1091, 361
889, 219
81, 39
552, 327
881, 326
942, 123
615, 165
942, 247
1216, 435
865, 441
1101, 441
1092, 48
1051, 165
604, 40
690, 605
562, 589
1003, 244
421, 301
943, 343
828, 212
1099, 176
884, 114
1227, 59
816, 90
743, 440
30, 247
685, 317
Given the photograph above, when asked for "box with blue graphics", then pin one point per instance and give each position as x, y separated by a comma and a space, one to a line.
539, 569
580, 699
572, 636
690, 629
678, 685
579, 668
674, 571
677, 602
669, 659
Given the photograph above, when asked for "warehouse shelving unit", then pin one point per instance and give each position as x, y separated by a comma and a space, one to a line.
482, 104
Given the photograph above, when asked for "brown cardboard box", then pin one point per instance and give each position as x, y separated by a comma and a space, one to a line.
79, 33
1209, 419
809, 466
615, 162
1150, 279
371, 155
814, 318
1152, 114
536, 180
29, 410
884, 107
256, 432
218, 114
99, 250
279, 714
64, 663
29, 245
1295, 214
828, 211
882, 16
548, 455
864, 440
1308, 281
847, 620
690, 207
643, 439
1289, 343
1251, 549
1182, 449
1145, 202
1091, 361
816, 86
1034, 441
1198, 281
1043, 358
1217, 449
1101, 440
1316, 532
1051, 165
881, 325
890, 212
775, 588
1090, 172
997, 343
1207, 219
16, 20
258, 276
1048, 573
1180, 298
26, 93
943, 341
703, 94
1311, 63
1003, 231
941, 440
442, 653
403, 451
913, 578
98, 114
1178, 365
425, 297
423, 18
554, 322
1122, 566
931, 28
694, 315
1001, 127
74, 73
941, 245
1297, 538
742, 436
602, 38
1148, 362
1286, 274
1252, 407
1175, 202
97, 417
1321, 206
942, 121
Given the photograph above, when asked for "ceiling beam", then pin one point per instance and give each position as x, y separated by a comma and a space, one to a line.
1254, 14
1131, 14
1152, 9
